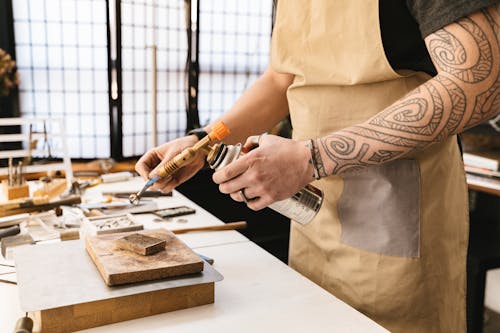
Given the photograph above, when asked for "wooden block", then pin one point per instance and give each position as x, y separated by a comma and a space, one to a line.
14, 192
93, 314
118, 266
69, 234
52, 189
141, 244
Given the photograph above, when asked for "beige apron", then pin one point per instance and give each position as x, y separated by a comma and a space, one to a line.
391, 240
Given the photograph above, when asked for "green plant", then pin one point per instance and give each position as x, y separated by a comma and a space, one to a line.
9, 77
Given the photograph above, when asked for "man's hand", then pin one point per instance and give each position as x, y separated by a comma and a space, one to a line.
275, 170
156, 157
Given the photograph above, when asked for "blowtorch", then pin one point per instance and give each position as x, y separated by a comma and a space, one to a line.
218, 132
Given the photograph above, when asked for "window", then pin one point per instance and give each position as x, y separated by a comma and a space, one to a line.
234, 51
62, 57
61, 50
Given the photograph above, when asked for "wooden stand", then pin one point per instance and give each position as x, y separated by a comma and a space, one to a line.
14, 192
93, 314
68, 293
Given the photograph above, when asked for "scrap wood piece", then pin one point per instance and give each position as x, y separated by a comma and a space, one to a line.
141, 244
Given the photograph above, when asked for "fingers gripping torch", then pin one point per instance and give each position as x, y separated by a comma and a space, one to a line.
218, 132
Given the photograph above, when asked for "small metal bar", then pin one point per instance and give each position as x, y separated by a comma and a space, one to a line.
193, 34
113, 15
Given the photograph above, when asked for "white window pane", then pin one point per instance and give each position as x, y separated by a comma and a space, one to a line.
100, 55
142, 121
70, 57
72, 125
54, 33
55, 59
69, 34
73, 144
20, 9
53, 9
57, 103
23, 57
101, 81
86, 105
140, 143
42, 101
56, 80
101, 102
85, 58
70, 79
37, 10
72, 106
84, 9
99, 11
22, 32
39, 56
68, 11
85, 35
38, 33
26, 102
40, 79
99, 37
102, 125
127, 146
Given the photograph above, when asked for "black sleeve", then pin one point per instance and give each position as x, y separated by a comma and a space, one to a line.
432, 15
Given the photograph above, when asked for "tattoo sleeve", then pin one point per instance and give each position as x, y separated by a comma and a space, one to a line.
463, 94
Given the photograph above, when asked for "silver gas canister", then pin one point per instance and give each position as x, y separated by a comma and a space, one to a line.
302, 207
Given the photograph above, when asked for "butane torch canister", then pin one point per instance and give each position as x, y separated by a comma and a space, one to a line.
302, 207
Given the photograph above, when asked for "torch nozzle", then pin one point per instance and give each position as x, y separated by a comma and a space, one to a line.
135, 198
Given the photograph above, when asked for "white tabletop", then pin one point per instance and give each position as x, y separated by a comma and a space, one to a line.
258, 294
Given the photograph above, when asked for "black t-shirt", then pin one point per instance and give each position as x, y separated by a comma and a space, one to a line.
404, 24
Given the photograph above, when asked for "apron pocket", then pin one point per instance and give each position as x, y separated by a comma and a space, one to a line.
379, 209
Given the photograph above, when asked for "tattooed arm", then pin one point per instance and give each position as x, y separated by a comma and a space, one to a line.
463, 94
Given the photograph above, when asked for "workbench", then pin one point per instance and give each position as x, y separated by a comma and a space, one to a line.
258, 294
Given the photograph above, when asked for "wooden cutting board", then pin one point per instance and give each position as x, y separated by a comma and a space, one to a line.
118, 266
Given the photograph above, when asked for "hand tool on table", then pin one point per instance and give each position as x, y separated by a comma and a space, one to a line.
146, 194
218, 132
226, 226
24, 202
9, 231
70, 200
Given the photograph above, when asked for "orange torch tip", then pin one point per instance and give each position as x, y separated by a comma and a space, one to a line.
219, 131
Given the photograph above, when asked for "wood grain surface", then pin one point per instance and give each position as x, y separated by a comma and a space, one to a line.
94, 314
118, 266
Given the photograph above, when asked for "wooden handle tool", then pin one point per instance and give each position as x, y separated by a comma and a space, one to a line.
227, 226
71, 200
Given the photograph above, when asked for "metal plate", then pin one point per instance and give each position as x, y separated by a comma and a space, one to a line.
62, 274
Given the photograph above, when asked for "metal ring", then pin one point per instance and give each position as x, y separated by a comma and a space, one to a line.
243, 196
